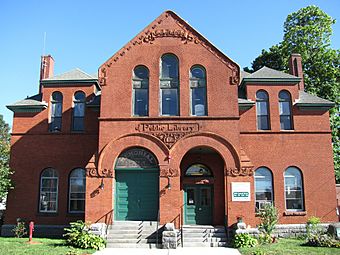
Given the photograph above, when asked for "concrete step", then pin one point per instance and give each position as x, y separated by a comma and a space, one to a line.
200, 244
132, 245
204, 240
134, 223
195, 234
132, 235
203, 231
129, 227
134, 241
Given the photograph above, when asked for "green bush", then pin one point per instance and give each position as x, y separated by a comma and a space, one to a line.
313, 227
322, 240
20, 229
244, 240
269, 217
78, 236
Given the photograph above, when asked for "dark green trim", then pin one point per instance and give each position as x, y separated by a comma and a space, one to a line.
28, 108
47, 82
270, 80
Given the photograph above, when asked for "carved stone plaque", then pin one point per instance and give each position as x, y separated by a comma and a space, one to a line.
168, 133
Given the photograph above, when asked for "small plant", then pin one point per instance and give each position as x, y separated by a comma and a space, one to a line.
78, 236
244, 240
312, 226
72, 251
259, 252
269, 218
20, 229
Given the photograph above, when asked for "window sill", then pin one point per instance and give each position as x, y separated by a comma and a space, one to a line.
292, 213
47, 214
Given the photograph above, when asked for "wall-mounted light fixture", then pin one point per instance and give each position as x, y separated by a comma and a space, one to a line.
169, 183
101, 186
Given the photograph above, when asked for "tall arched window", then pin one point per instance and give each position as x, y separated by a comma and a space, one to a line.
293, 189
262, 110
48, 201
198, 91
78, 111
169, 83
286, 120
56, 111
140, 85
263, 187
77, 187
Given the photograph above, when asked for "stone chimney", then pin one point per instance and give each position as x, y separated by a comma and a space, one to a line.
46, 68
295, 68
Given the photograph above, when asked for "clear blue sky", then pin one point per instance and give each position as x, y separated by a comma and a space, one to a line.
84, 34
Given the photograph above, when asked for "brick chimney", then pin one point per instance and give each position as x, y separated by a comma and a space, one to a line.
295, 68
46, 68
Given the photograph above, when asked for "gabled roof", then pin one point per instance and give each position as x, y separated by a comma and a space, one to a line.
308, 100
75, 75
269, 75
184, 32
29, 104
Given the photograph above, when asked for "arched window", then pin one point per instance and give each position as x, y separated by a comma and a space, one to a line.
262, 110
293, 189
140, 85
48, 201
77, 187
56, 111
263, 187
198, 170
78, 111
198, 91
169, 83
286, 120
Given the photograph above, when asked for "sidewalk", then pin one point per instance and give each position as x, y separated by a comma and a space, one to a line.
178, 251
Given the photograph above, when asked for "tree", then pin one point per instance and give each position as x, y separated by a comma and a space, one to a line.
308, 33
5, 171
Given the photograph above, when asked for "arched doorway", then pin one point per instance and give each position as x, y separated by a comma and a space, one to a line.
202, 181
137, 185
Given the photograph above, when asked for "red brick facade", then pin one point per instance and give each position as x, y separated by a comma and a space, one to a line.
232, 146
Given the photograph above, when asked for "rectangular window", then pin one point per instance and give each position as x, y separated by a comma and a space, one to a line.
78, 116
141, 102
56, 113
190, 197
48, 194
198, 103
169, 102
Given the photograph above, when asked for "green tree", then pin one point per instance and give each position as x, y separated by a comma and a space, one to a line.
308, 32
5, 171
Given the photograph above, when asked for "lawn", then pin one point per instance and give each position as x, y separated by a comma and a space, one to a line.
290, 247
43, 246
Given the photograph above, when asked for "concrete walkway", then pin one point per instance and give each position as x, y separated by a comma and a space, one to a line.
178, 251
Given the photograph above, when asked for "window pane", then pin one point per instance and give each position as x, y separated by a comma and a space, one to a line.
198, 72
141, 72
169, 102
79, 109
294, 204
293, 194
198, 97
262, 122
205, 197
55, 124
285, 108
285, 122
190, 197
77, 205
56, 110
169, 66
78, 124
262, 108
79, 96
261, 95
141, 102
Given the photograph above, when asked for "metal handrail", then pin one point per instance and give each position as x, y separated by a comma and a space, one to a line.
158, 219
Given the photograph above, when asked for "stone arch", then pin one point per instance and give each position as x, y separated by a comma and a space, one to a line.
114, 148
223, 147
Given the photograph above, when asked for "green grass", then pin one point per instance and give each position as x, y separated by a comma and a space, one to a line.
290, 247
46, 246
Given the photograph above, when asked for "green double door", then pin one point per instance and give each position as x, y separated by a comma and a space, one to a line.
137, 195
198, 204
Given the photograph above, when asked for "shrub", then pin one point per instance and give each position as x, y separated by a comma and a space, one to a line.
244, 240
20, 229
259, 252
320, 240
78, 236
312, 226
269, 217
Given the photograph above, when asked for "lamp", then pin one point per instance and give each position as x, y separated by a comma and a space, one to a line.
101, 186
169, 183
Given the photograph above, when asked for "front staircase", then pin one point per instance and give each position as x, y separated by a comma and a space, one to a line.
134, 234
203, 236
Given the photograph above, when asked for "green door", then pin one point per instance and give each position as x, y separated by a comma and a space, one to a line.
137, 194
198, 204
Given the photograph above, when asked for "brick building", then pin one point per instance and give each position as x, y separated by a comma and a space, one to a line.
170, 130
